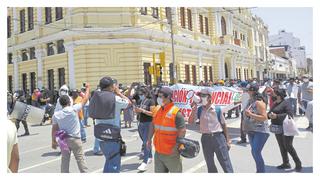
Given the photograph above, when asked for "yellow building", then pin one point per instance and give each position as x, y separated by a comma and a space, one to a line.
48, 47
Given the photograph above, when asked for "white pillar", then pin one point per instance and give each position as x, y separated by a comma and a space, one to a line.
218, 25
16, 59
15, 21
221, 63
70, 50
230, 25
233, 67
200, 66
39, 56
39, 16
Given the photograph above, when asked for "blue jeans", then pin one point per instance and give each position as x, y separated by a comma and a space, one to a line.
293, 102
143, 131
85, 115
257, 141
96, 147
82, 131
109, 148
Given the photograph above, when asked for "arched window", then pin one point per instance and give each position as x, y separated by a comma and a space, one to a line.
223, 26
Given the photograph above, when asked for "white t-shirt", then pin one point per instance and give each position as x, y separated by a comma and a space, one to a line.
12, 139
67, 120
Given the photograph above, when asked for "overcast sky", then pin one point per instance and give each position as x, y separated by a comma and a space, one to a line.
296, 20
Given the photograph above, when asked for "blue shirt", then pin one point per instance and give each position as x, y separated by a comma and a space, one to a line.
116, 121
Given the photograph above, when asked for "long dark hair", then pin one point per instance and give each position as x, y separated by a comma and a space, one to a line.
146, 91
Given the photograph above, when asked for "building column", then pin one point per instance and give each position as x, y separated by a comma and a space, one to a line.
221, 67
39, 56
218, 25
70, 51
16, 59
200, 66
242, 69
15, 20
233, 67
230, 25
39, 16
196, 23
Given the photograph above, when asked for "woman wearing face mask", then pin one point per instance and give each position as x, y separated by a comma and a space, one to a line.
277, 114
128, 114
256, 126
145, 118
215, 139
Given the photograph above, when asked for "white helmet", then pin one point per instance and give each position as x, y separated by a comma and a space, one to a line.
64, 90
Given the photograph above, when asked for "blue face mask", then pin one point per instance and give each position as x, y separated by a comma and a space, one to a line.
142, 97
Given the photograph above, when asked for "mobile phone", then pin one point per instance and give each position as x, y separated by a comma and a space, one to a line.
84, 84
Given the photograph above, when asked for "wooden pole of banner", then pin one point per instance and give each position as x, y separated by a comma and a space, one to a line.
154, 68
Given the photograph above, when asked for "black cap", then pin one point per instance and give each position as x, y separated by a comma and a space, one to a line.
106, 82
253, 87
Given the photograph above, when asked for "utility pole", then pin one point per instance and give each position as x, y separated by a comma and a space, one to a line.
172, 45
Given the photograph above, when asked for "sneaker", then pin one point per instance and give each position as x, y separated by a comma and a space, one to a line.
26, 134
284, 166
142, 167
99, 153
242, 142
149, 161
298, 168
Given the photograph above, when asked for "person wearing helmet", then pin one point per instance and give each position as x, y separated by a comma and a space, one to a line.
215, 138
168, 124
256, 126
64, 90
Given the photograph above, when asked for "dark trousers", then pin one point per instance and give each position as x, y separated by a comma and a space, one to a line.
216, 144
243, 135
285, 145
24, 123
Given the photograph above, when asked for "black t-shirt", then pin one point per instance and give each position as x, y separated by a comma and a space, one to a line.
146, 104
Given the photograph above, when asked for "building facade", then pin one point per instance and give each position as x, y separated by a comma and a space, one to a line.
296, 51
49, 47
261, 51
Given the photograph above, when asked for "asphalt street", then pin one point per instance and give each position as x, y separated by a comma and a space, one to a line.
37, 156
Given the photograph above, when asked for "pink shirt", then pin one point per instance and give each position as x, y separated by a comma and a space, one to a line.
209, 122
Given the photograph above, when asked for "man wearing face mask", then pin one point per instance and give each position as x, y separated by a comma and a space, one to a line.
305, 95
215, 138
168, 124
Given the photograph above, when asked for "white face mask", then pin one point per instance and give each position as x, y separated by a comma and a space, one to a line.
160, 101
204, 101
305, 80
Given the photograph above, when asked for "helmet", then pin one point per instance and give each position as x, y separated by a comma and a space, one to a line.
65, 89
188, 148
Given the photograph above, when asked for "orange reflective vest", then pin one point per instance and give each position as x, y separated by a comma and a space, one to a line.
165, 129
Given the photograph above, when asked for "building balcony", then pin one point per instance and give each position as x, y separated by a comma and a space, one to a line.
237, 42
